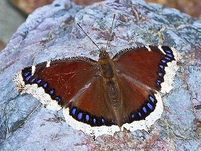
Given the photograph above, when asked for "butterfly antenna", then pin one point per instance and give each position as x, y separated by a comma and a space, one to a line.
89, 37
111, 31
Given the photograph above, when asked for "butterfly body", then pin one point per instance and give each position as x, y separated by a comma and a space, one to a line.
111, 87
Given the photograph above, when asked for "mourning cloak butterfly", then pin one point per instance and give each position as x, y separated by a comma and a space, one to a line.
100, 97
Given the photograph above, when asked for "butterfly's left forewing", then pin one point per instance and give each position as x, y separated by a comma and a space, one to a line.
55, 83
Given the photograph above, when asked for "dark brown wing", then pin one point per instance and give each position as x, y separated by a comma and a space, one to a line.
143, 65
140, 72
60, 79
91, 106
138, 102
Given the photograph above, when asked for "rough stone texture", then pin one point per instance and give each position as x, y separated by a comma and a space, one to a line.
51, 32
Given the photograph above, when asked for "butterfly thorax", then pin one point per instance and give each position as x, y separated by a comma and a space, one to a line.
106, 65
110, 84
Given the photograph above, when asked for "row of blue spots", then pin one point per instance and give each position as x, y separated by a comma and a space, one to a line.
29, 79
161, 73
87, 118
169, 54
145, 110
163, 63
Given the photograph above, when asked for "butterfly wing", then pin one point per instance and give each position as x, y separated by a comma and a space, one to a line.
91, 110
75, 85
148, 65
55, 83
140, 73
141, 106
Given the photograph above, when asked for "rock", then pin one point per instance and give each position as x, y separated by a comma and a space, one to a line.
51, 32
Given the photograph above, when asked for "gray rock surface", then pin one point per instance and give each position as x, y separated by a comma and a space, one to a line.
51, 32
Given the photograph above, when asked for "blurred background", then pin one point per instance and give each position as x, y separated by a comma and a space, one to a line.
14, 12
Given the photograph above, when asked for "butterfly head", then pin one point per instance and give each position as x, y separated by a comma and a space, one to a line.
103, 54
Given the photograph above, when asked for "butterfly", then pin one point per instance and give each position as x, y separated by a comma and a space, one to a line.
104, 96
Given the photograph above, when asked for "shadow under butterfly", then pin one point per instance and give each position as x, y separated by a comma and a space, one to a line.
104, 96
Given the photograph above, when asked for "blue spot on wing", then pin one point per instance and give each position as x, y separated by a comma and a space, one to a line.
51, 91
73, 111
132, 115
150, 106
32, 80
168, 58
87, 117
26, 74
94, 120
28, 77
152, 99
161, 66
163, 61
45, 85
139, 114
57, 98
169, 55
39, 81
79, 116
144, 109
